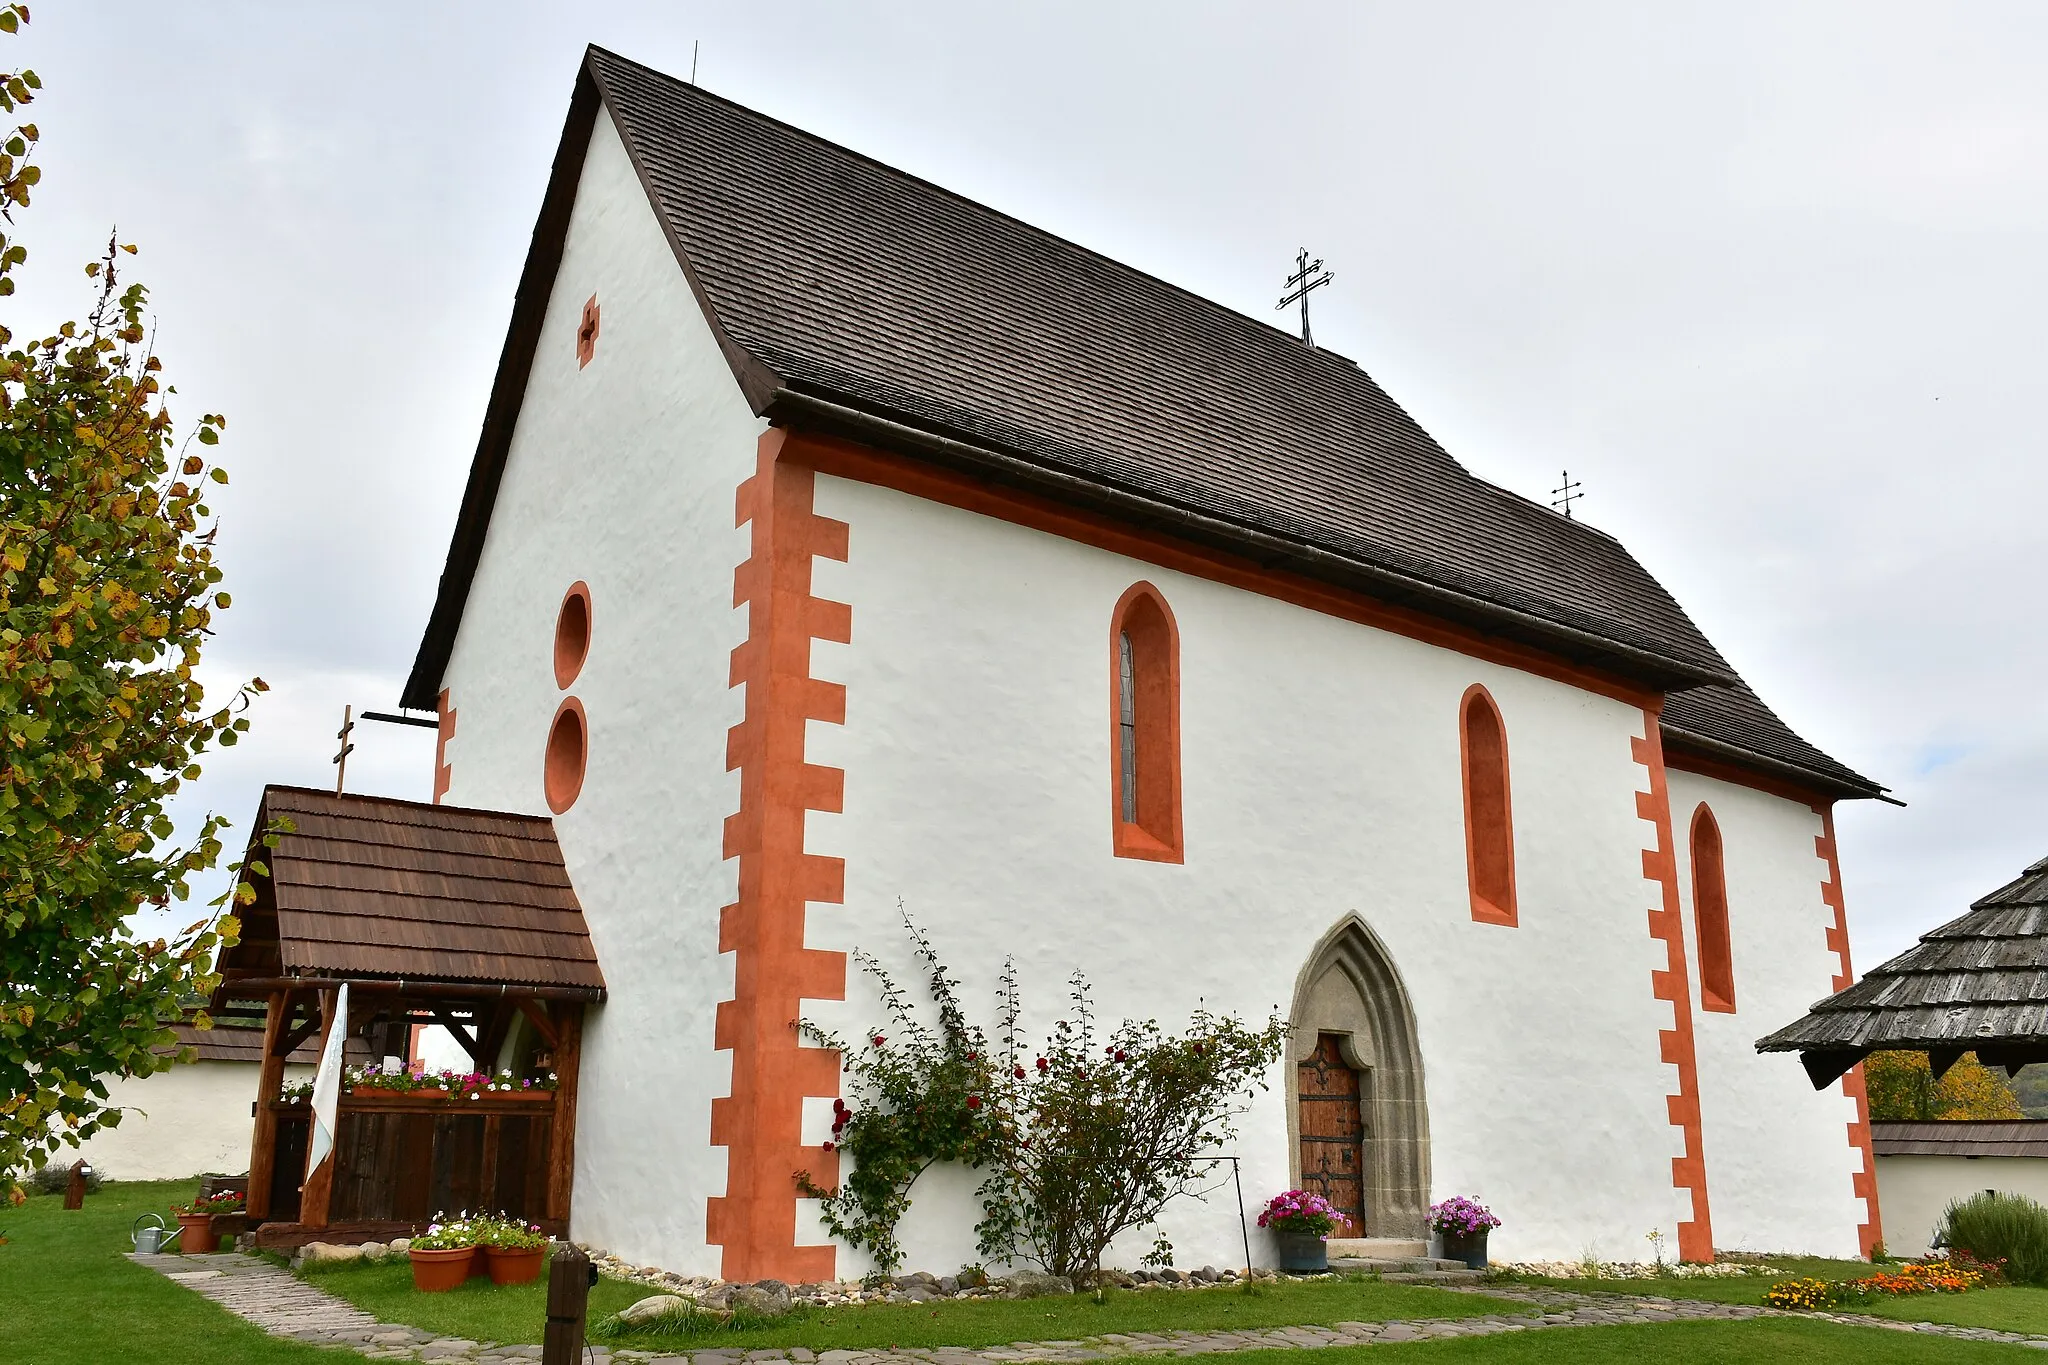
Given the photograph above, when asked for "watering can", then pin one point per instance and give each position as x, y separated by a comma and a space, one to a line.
149, 1241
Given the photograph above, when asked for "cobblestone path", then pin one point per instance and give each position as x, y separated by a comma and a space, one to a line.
288, 1307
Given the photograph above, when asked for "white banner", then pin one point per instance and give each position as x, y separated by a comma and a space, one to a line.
327, 1086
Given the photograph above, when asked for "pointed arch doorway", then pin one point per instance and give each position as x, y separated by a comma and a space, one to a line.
1358, 1117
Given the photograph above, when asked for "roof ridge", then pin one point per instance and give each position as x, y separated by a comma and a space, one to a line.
899, 173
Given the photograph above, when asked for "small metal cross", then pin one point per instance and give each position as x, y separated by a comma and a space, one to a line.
1304, 279
1565, 494
348, 747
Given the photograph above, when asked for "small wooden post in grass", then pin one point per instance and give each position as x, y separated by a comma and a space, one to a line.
74, 1188
570, 1276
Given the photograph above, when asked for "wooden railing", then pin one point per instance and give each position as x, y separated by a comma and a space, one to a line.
405, 1157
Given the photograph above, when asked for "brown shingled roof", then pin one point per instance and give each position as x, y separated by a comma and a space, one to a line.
1961, 1137
371, 888
222, 1043
851, 297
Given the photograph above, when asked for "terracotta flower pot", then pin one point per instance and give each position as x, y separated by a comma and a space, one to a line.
515, 1266
195, 1233
435, 1272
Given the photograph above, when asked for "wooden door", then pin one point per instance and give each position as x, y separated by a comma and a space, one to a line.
1333, 1133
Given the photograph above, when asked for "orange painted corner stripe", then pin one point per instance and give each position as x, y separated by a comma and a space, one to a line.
760, 1124
1863, 1182
1671, 984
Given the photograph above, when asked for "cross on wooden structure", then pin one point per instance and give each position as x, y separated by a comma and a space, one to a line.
348, 726
1565, 494
1308, 276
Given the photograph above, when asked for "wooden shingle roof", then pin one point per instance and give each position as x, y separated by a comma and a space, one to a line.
849, 296
1976, 984
1961, 1137
222, 1043
370, 888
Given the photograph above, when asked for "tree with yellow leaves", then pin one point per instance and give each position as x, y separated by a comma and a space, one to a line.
1902, 1087
108, 589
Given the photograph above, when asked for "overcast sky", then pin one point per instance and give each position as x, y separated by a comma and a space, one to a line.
1768, 278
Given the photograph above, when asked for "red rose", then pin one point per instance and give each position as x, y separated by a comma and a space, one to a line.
879, 1040
1120, 1056
828, 1146
974, 1101
970, 1056
1044, 1065
1020, 1073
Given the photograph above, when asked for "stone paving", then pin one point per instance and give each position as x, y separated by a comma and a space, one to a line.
285, 1306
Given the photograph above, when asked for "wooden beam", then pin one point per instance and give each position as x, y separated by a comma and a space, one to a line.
562, 1132
537, 1015
492, 1039
295, 1033
270, 1078
319, 1187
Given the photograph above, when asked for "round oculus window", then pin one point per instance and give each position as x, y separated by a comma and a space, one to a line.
572, 634
568, 752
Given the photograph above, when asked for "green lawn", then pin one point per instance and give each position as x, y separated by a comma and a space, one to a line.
481, 1310
68, 1298
2015, 1309
1763, 1341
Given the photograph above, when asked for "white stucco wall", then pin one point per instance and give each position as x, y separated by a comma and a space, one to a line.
191, 1120
1779, 1163
1321, 777
623, 474
1915, 1190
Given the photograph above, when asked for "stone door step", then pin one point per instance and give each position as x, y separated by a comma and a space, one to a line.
1378, 1248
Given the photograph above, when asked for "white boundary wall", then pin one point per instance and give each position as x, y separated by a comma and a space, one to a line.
191, 1120
1914, 1191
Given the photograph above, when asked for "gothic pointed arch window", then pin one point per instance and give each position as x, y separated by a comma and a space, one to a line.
1710, 914
1489, 816
1144, 717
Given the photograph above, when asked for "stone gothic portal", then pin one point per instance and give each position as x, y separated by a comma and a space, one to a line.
1361, 1125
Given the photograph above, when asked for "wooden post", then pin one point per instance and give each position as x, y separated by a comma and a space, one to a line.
74, 1188
270, 1079
570, 1276
562, 1131
319, 1187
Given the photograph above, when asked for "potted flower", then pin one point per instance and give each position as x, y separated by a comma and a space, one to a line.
442, 1254
1463, 1224
515, 1250
195, 1220
1302, 1223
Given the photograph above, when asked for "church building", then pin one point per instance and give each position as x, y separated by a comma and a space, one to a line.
835, 543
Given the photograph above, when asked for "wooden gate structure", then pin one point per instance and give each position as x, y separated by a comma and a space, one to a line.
430, 915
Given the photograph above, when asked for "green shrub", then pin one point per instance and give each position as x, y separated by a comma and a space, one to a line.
2001, 1227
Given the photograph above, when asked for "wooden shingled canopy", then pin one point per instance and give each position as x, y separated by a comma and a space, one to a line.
1977, 984
398, 894
429, 915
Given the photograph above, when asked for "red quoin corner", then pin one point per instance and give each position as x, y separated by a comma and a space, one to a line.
1670, 983
1864, 1182
760, 1123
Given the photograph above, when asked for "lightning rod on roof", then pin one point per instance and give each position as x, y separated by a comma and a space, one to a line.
1308, 275
693, 61
1566, 493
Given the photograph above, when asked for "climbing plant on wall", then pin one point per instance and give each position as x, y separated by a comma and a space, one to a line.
1082, 1139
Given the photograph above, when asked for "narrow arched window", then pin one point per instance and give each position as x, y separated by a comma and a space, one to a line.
1144, 713
1489, 818
1710, 914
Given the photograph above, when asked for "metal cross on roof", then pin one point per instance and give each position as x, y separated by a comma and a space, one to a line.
1565, 494
1304, 279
